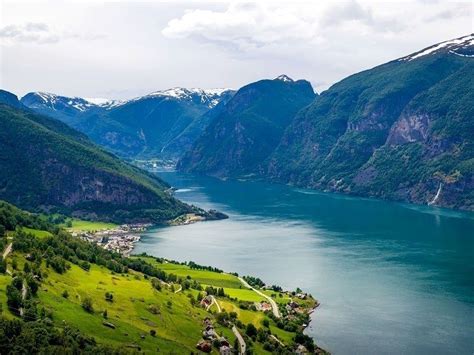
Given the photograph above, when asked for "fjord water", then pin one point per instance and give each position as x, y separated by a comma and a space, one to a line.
391, 278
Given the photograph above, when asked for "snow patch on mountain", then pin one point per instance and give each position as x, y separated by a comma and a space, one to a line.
210, 97
454, 46
284, 78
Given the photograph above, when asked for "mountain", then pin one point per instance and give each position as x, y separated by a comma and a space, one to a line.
248, 128
48, 166
143, 127
10, 99
401, 131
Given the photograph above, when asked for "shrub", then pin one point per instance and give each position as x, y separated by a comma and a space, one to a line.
87, 305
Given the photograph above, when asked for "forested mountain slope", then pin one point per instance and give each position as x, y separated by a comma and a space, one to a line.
46, 165
248, 128
402, 131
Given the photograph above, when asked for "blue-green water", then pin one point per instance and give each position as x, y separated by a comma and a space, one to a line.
391, 278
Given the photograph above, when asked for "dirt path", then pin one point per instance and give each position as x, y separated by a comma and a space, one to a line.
179, 289
275, 309
217, 304
23, 295
7, 251
277, 340
243, 347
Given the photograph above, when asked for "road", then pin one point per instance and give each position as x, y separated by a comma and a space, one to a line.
7, 251
277, 340
23, 295
217, 304
276, 311
241, 340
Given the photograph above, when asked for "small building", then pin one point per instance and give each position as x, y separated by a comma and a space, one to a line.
225, 350
300, 350
224, 342
204, 346
206, 301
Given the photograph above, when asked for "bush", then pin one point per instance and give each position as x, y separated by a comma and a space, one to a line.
87, 305
109, 297
250, 330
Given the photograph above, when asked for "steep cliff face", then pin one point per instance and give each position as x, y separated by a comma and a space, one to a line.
45, 165
398, 131
243, 135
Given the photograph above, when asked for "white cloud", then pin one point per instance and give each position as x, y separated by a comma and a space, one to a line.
39, 33
28, 32
248, 26
152, 45
243, 26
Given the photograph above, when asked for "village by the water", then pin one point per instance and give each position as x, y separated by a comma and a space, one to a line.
121, 239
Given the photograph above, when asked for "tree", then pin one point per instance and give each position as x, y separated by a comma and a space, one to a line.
32, 284
88, 305
3, 265
152, 332
156, 284
26, 268
109, 297
14, 299
65, 294
266, 323
250, 330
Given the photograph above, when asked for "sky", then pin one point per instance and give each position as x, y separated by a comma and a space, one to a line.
124, 49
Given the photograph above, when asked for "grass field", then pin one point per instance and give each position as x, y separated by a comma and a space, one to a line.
205, 277
178, 326
37, 233
79, 225
177, 323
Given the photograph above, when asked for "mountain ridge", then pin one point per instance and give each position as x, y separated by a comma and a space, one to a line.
248, 128
140, 127
48, 166
390, 132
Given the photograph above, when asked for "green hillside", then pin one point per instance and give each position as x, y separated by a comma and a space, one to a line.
401, 131
45, 165
248, 128
62, 287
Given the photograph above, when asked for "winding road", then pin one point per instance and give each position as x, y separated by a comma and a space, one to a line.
276, 311
217, 304
243, 346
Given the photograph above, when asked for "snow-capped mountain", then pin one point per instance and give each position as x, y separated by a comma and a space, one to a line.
43, 100
208, 97
142, 126
73, 105
462, 46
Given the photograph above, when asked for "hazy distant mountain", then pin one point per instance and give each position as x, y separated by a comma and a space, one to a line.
403, 130
142, 127
248, 128
46, 165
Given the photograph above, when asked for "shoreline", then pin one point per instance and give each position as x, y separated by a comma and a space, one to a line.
123, 239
